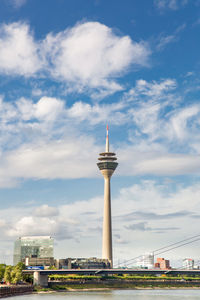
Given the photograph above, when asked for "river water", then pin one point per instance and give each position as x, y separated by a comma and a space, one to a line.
116, 295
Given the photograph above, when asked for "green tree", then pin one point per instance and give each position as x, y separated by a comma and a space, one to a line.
52, 268
2, 271
8, 274
16, 274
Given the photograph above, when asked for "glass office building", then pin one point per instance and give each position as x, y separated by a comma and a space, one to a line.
32, 246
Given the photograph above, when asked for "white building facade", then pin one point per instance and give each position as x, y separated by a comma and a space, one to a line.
188, 264
146, 261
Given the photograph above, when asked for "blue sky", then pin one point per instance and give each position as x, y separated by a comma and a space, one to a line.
66, 70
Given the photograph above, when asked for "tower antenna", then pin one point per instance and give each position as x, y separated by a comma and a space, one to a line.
107, 140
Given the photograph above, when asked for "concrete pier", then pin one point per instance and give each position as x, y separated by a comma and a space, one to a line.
40, 279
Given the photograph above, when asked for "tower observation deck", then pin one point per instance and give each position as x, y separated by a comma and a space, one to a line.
107, 166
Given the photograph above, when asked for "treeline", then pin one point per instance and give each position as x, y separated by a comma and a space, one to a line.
124, 277
12, 274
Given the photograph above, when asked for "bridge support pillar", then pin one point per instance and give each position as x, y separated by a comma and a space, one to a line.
40, 279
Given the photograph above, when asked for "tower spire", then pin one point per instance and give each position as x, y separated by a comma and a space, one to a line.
107, 140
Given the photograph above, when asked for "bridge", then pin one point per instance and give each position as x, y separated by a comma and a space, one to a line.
40, 277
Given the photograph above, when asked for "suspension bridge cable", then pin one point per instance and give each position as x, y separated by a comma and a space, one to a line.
162, 248
178, 246
176, 243
173, 248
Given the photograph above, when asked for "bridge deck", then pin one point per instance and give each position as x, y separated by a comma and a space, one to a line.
113, 271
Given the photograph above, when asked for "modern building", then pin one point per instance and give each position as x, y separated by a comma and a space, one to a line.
163, 264
146, 261
107, 166
46, 262
33, 247
82, 263
188, 263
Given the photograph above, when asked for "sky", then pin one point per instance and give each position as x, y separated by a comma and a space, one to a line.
69, 68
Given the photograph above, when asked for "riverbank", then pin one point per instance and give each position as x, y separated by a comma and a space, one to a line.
122, 284
92, 289
49, 291
85, 286
8, 291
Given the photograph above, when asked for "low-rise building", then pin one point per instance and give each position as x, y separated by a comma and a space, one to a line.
35, 261
188, 263
82, 263
163, 264
146, 261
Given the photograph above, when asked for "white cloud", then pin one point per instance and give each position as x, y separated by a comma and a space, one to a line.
170, 164
73, 158
164, 40
150, 206
29, 225
70, 158
154, 208
179, 121
159, 117
18, 50
8, 182
154, 159
2, 223
170, 4
96, 113
38, 139
150, 100
18, 3
87, 57
174, 127
31, 130
48, 108
151, 89
90, 54
162, 144
46, 211
146, 119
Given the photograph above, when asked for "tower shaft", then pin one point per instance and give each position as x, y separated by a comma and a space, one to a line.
107, 166
107, 223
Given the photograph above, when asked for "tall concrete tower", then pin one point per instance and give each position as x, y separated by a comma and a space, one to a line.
107, 166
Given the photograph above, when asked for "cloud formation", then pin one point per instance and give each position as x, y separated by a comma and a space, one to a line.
89, 54
164, 40
86, 57
154, 89
18, 3
143, 226
169, 4
18, 50
38, 140
81, 221
46, 211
